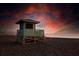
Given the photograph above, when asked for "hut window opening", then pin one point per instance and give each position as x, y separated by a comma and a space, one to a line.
29, 25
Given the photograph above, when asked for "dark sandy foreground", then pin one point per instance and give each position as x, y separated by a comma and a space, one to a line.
49, 47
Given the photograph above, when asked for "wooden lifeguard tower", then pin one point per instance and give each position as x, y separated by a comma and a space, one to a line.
27, 31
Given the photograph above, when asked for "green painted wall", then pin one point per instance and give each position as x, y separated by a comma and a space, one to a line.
33, 32
24, 32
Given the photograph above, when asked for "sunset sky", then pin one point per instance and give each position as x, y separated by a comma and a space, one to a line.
57, 20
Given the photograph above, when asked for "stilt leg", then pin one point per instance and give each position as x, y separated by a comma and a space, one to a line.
35, 40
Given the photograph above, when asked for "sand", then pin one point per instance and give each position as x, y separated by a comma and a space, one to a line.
47, 47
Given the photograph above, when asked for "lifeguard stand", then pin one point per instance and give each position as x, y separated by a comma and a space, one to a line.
27, 31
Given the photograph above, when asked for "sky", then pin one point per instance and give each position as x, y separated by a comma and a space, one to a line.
56, 19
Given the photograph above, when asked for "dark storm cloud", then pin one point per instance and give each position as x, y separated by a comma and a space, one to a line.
69, 13
7, 11
67, 10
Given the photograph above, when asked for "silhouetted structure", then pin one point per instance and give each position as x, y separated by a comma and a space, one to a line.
28, 31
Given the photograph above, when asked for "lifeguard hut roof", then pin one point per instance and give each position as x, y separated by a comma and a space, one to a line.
27, 21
